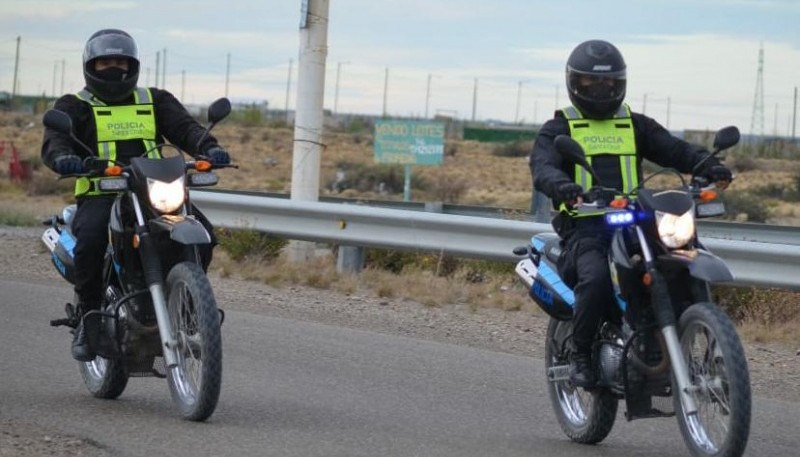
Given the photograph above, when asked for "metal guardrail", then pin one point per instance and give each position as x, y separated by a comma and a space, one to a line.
772, 261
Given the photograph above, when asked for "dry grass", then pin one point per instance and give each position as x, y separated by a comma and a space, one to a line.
415, 284
764, 315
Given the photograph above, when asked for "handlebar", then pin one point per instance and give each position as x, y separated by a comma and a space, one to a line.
125, 169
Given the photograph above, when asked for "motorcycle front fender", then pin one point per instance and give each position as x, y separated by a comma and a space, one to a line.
182, 229
701, 264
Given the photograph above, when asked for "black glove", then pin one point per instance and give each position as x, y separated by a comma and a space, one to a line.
68, 164
717, 173
568, 192
218, 156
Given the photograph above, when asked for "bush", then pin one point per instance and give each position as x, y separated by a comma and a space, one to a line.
515, 149
751, 206
742, 163
441, 265
50, 185
241, 244
389, 179
450, 190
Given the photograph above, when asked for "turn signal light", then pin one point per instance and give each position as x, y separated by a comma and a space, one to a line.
114, 170
202, 165
619, 203
708, 195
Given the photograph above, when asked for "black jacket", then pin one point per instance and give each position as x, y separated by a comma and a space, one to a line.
653, 142
173, 123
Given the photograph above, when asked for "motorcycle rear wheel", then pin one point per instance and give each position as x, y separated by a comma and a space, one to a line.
195, 382
585, 416
104, 378
721, 382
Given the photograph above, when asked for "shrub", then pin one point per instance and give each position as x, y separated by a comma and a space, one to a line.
514, 149
251, 244
751, 206
49, 185
742, 163
374, 178
450, 190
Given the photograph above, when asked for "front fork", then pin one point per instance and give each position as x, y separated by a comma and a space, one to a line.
665, 316
153, 275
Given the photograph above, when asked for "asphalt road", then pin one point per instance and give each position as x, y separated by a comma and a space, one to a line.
293, 388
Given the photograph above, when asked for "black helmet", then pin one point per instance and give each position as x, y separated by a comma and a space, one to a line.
596, 79
111, 43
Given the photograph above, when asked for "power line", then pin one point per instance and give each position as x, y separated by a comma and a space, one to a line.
757, 120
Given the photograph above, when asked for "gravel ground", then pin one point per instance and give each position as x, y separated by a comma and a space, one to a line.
774, 369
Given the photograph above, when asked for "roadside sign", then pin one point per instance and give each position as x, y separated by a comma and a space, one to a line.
409, 142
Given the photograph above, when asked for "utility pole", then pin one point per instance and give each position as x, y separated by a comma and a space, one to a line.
309, 115
63, 64
794, 113
158, 63
183, 85
519, 98
385, 90
16, 70
336, 92
474, 99
164, 71
775, 128
669, 106
288, 87
227, 74
428, 95
55, 70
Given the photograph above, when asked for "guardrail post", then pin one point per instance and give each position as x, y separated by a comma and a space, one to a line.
434, 207
350, 259
540, 207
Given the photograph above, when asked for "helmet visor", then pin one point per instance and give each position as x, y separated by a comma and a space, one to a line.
598, 88
110, 45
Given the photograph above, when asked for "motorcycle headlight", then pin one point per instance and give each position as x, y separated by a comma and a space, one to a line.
166, 197
675, 231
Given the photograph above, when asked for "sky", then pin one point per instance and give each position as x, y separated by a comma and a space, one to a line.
692, 64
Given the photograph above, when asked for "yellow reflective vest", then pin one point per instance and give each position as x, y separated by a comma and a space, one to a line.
119, 123
604, 137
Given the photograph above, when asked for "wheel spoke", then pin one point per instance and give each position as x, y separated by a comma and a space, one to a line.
711, 425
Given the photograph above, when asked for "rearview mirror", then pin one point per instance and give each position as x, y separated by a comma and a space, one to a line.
58, 121
219, 110
572, 151
726, 138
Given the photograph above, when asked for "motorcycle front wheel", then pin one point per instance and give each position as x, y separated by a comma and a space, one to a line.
720, 384
195, 381
585, 416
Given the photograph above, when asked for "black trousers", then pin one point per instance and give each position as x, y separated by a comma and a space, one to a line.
90, 227
584, 267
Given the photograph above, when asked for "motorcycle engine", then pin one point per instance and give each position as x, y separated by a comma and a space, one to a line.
112, 325
610, 357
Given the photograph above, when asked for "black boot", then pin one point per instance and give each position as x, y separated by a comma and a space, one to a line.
86, 336
581, 372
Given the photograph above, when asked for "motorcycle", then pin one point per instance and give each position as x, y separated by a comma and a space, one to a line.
159, 316
666, 349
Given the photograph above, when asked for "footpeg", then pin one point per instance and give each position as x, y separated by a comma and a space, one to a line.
558, 373
70, 321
